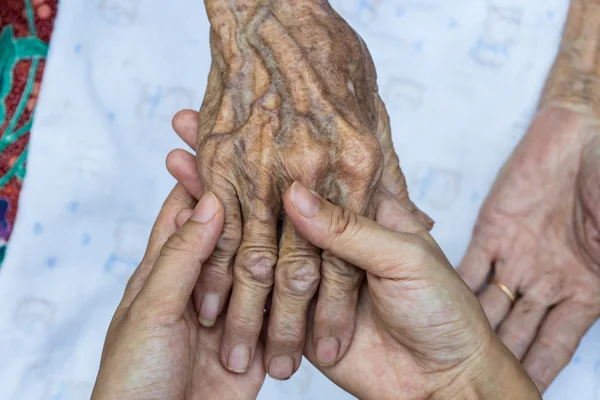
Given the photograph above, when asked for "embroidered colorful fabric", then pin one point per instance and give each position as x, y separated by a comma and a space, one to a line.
25, 29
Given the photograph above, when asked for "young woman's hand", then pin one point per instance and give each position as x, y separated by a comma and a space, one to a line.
155, 347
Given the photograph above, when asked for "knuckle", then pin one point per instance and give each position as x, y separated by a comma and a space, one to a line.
560, 351
417, 253
215, 275
136, 313
513, 336
139, 276
244, 324
216, 151
256, 267
313, 167
179, 244
219, 262
154, 314
287, 335
312, 163
364, 158
229, 241
344, 225
299, 277
537, 300
545, 291
372, 147
217, 143
340, 276
227, 244
184, 199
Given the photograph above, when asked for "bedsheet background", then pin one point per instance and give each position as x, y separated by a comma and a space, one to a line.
460, 79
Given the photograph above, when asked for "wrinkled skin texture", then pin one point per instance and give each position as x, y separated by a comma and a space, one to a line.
420, 332
291, 96
538, 230
155, 347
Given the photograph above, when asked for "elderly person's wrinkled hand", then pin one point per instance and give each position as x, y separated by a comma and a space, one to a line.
420, 331
291, 96
538, 233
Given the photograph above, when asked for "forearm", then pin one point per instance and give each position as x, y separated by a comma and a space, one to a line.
222, 12
574, 80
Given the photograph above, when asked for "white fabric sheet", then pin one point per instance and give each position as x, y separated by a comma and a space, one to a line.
460, 78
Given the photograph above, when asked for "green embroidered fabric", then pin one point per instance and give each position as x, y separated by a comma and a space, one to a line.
12, 51
16, 117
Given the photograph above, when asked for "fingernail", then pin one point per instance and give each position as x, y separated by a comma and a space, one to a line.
540, 371
209, 309
239, 359
304, 200
327, 350
206, 209
281, 367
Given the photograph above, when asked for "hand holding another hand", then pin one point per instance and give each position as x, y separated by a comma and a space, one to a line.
291, 96
420, 331
155, 347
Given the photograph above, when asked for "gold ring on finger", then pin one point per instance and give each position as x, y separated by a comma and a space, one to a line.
505, 289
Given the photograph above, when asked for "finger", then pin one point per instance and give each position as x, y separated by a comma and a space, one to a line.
164, 227
588, 192
495, 303
355, 239
520, 327
556, 342
423, 217
170, 283
183, 167
393, 179
296, 281
182, 216
253, 279
215, 280
394, 182
214, 375
335, 314
393, 215
475, 266
185, 124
